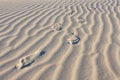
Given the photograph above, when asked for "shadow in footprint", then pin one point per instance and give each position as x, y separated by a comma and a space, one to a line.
42, 53
76, 41
27, 65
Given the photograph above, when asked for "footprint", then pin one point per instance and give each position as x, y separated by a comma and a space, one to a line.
72, 39
112, 4
81, 20
57, 26
28, 60
94, 8
72, 12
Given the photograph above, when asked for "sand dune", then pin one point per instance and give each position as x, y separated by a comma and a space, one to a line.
60, 40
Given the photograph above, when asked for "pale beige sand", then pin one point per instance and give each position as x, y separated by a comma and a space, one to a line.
60, 40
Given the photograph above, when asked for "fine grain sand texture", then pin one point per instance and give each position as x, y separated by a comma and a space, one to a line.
59, 39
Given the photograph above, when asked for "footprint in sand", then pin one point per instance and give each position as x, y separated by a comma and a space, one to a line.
94, 8
81, 20
72, 39
72, 12
57, 27
28, 60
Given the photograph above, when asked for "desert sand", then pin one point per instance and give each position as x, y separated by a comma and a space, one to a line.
59, 39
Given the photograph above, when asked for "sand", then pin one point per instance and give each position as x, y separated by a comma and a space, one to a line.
60, 40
